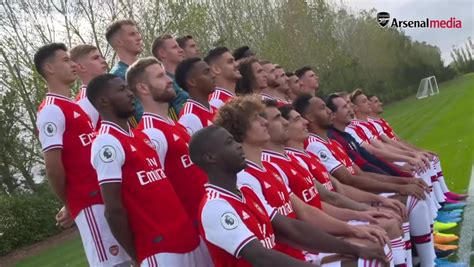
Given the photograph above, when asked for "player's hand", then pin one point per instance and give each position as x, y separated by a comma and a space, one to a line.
417, 164
373, 233
412, 190
372, 252
63, 218
394, 205
431, 154
371, 215
425, 160
419, 182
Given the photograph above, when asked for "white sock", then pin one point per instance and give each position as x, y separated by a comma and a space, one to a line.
439, 173
420, 231
439, 194
440, 197
443, 185
398, 251
406, 239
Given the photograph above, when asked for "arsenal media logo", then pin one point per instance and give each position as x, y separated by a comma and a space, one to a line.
383, 18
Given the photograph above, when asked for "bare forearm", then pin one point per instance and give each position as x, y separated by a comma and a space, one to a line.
388, 179
385, 154
338, 213
372, 185
57, 181
120, 228
315, 240
273, 258
324, 222
339, 200
360, 195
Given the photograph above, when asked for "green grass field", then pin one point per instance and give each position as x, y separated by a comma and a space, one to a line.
443, 123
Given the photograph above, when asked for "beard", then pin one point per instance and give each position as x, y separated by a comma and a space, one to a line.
164, 97
125, 114
122, 114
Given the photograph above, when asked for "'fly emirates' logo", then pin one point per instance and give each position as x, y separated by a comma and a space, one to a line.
147, 177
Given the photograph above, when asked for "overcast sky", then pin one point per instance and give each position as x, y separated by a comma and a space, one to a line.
433, 9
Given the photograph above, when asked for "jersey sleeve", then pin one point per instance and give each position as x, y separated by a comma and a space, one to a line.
224, 228
191, 122
325, 156
107, 158
158, 139
246, 179
216, 103
378, 127
90, 110
51, 124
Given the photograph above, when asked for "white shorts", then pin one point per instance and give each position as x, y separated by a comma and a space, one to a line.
317, 258
101, 247
199, 257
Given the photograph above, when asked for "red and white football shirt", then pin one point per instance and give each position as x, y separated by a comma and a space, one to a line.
386, 128
194, 116
219, 97
270, 187
228, 222
369, 130
82, 100
330, 153
156, 216
62, 124
312, 163
299, 179
171, 142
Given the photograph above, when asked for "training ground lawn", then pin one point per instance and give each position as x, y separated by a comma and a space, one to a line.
443, 123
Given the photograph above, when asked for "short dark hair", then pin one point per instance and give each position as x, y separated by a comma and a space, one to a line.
215, 53
200, 143
330, 101
183, 40
97, 86
370, 96
45, 53
242, 52
301, 103
247, 82
158, 43
135, 72
115, 27
285, 110
301, 71
183, 70
289, 74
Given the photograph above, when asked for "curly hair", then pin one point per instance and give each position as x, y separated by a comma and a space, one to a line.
247, 83
236, 114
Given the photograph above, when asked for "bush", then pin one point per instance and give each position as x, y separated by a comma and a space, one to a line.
26, 218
